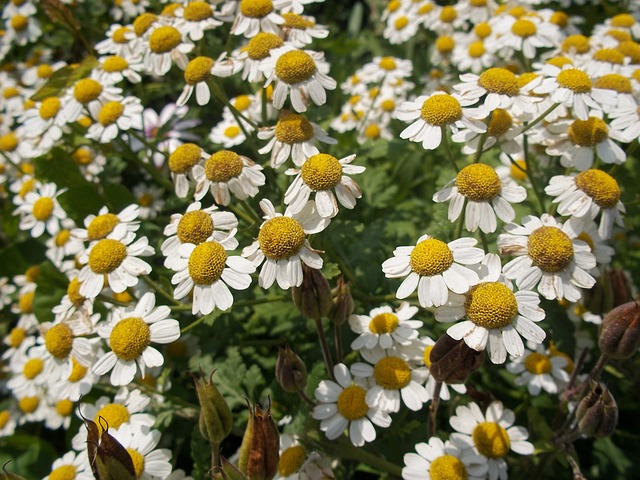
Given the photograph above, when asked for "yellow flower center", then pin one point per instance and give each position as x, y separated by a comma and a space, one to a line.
59, 340
491, 305
448, 467
16, 337
586, 238
115, 63
295, 66
615, 82
256, 8
517, 12
32, 273
630, 49
32, 368
164, 39
448, 14
478, 3
388, 63
321, 172
518, 173
5, 416
232, 131
293, 20
393, 5
578, 43
388, 105
77, 371
197, 11
107, 255
523, 28
445, 44
169, 10
85, 121
476, 49
101, 226
82, 156
383, 323
195, 227
28, 404
425, 8
392, 373
499, 80
222, 166
401, 22
550, 249
64, 408
260, 45
115, 415
242, 102
110, 112
351, 402
430, 257
441, 109
198, 70
501, 122
575, 80
491, 440
588, 133
482, 30
478, 182
19, 22
25, 302
600, 186
291, 460
554, 352
87, 90
206, 263
143, 22
44, 71
120, 35
426, 355
537, 363
623, 20
609, 55
10, 92
281, 238
145, 200
129, 338
8, 142
138, 461
560, 19
184, 158
372, 131
49, 107
42, 208
63, 472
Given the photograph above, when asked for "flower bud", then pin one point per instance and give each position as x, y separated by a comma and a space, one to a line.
110, 460
452, 360
215, 416
597, 412
6, 475
313, 297
260, 449
342, 302
620, 331
611, 290
290, 371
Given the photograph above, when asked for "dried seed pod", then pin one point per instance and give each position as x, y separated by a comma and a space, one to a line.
452, 361
597, 412
290, 371
620, 331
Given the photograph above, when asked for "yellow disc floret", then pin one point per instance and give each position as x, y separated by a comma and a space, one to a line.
575, 80
87, 90
351, 402
576, 43
8, 142
256, 8
28, 404
32, 368
478, 182
59, 340
445, 44
260, 45
550, 249
19, 22
164, 39
440, 110
491, 305
448, 14
115, 63
120, 35
499, 80
491, 440
198, 70
110, 113
42, 208
25, 302
138, 461
143, 22
401, 22
600, 186
5, 416
82, 156
392, 373
129, 338
114, 414
232, 131
16, 337
44, 71
630, 49
195, 227
293, 128
64, 408
588, 133
609, 55
388, 63
222, 166
384, 323
101, 226
430, 257
482, 30
291, 460
426, 355
448, 467
560, 19
615, 82
183, 158
207, 262
501, 122
49, 108
523, 28
293, 20
476, 49
623, 20
77, 371
107, 255
281, 238
295, 66
63, 472
197, 11
537, 363
321, 172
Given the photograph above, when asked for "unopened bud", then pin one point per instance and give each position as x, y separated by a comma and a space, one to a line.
452, 361
290, 371
7, 475
611, 290
342, 302
110, 460
313, 297
228, 471
620, 331
260, 449
215, 416
597, 412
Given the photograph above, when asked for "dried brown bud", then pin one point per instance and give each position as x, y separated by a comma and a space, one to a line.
452, 360
342, 302
620, 331
108, 459
290, 371
313, 297
216, 420
260, 449
611, 290
597, 412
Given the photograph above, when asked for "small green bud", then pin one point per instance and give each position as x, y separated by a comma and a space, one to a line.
215, 420
597, 412
290, 371
452, 361
342, 303
260, 449
313, 297
620, 331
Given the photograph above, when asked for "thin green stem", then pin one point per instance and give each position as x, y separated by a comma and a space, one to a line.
326, 353
531, 173
460, 223
483, 139
447, 146
534, 122
483, 239
158, 288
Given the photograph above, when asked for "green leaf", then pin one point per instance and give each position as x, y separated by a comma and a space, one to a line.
16, 258
64, 78
355, 20
52, 286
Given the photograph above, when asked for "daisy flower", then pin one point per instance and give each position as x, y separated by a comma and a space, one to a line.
434, 268
107, 225
199, 70
8, 422
149, 199
115, 258
550, 256
526, 35
71, 465
20, 337
112, 69
228, 133
587, 231
588, 194
6, 290
293, 136
29, 372
129, 333
400, 28
166, 45
485, 195
494, 317
258, 15
181, 163
22, 29
383, 327
439, 460
84, 93
301, 30
32, 408
342, 406
431, 114
296, 463
473, 56
501, 129
254, 52
113, 117
323, 174
301, 74
393, 381
626, 120
491, 435
148, 461
282, 245
225, 173
41, 211
195, 18
208, 271
80, 381
59, 412
90, 162
539, 370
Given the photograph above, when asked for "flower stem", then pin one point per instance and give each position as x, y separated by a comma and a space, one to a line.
447, 146
326, 353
